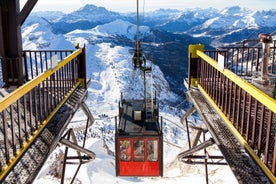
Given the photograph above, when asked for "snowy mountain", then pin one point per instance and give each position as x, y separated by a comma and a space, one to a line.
37, 35
86, 17
217, 27
110, 69
211, 23
109, 50
168, 31
183, 21
231, 25
109, 39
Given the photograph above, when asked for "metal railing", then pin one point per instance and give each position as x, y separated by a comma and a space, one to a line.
28, 109
245, 61
33, 62
251, 112
37, 62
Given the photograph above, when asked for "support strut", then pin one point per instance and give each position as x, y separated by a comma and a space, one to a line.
70, 141
188, 155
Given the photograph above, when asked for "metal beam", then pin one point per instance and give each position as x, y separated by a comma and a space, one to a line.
194, 149
2, 50
11, 20
246, 86
12, 67
12, 33
26, 10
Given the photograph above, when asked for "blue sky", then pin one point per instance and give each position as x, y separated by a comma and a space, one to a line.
149, 5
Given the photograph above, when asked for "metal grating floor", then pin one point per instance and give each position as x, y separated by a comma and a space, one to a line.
30, 163
240, 162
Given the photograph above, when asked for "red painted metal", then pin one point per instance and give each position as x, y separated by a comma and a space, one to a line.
139, 168
249, 118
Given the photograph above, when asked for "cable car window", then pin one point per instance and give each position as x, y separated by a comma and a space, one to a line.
125, 150
152, 150
139, 151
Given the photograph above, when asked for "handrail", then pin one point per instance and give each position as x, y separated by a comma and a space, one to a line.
249, 88
22, 90
249, 112
28, 109
245, 60
25, 146
237, 134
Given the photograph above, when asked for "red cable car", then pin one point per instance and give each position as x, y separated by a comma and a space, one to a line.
139, 139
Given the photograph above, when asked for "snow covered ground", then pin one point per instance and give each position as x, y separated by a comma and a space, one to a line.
110, 70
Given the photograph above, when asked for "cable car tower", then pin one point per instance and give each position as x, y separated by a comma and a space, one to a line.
139, 62
139, 137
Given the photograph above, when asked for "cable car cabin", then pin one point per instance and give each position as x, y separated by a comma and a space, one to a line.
139, 139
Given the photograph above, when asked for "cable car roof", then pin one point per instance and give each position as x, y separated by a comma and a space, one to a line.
132, 121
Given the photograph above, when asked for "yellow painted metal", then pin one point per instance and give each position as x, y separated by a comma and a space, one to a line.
238, 135
194, 82
263, 98
193, 50
26, 145
82, 81
18, 93
193, 58
22, 90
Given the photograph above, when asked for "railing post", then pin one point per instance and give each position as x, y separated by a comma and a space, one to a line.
193, 63
82, 68
265, 39
274, 158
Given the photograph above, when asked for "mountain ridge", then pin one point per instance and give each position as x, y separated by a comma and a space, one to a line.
163, 17
165, 33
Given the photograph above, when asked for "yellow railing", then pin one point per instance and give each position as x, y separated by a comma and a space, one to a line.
249, 112
27, 110
246, 86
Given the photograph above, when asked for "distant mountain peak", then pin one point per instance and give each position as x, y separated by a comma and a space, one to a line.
89, 8
122, 28
234, 10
